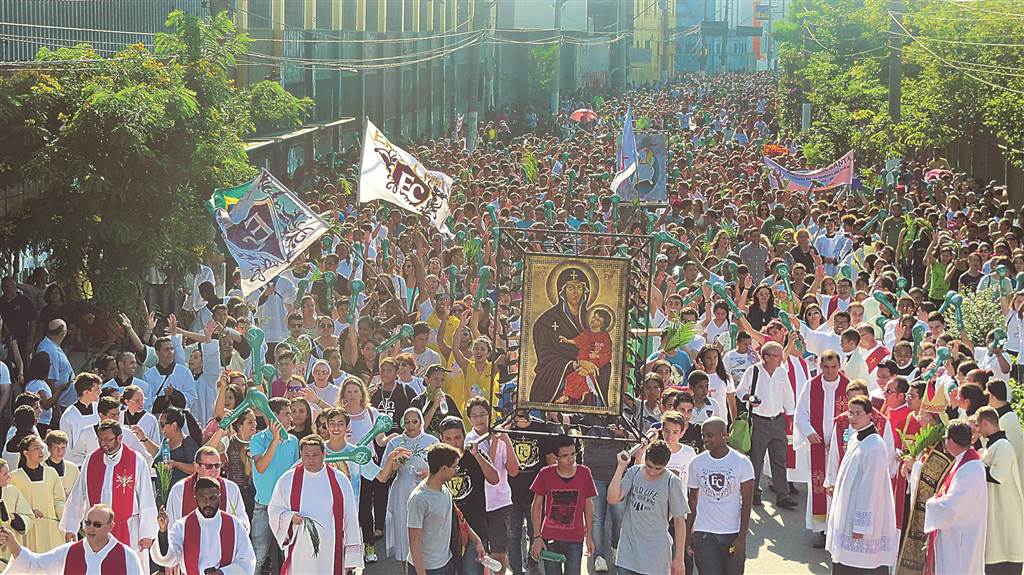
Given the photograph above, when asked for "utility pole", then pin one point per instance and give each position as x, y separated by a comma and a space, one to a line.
702, 58
665, 45
895, 60
481, 8
725, 39
555, 97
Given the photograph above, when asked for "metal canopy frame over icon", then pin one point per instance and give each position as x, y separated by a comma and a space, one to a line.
517, 251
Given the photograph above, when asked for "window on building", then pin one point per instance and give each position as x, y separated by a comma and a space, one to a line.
294, 14
394, 16
372, 17
349, 11
259, 14
324, 14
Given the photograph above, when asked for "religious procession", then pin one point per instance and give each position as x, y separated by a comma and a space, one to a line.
664, 326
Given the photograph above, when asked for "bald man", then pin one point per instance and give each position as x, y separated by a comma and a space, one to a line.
97, 554
61, 372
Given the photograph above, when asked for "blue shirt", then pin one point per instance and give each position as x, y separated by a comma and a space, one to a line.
60, 370
679, 359
284, 459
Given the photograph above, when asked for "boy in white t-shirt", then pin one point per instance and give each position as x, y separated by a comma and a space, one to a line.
721, 484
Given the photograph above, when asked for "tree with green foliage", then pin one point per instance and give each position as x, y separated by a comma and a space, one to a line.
541, 74
125, 150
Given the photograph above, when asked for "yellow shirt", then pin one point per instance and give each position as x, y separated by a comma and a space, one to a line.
450, 325
463, 386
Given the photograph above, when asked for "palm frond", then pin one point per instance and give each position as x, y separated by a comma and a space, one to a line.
679, 334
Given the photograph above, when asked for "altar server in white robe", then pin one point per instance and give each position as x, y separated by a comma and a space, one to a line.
956, 516
167, 373
861, 529
206, 538
100, 553
181, 500
1004, 553
117, 476
315, 491
86, 442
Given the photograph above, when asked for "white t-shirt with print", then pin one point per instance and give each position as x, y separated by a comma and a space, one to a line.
718, 483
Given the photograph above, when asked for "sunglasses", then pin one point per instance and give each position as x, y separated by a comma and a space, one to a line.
209, 465
96, 524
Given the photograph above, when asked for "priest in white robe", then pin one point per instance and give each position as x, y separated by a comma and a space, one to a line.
823, 398
956, 516
861, 530
206, 538
181, 500
98, 554
169, 374
1004, 553
313, 495
86, 441
117, 476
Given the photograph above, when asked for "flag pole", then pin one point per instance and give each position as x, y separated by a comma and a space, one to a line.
362, 148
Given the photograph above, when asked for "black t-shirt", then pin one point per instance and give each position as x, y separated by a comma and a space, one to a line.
802, 257
422, 403
467, 489
18, 315
692, 437
393, 403
531, 452
966, 280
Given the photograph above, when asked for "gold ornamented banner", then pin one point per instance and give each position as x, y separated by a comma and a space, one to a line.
912, 552
574, 322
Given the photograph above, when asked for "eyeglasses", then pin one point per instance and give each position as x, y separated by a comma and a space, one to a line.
210, 465
96, 524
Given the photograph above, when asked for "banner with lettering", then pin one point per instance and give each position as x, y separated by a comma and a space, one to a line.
265, 227
835, 175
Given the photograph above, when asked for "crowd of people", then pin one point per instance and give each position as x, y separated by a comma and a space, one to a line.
828, 348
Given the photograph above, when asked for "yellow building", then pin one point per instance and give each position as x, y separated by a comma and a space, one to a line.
649, 49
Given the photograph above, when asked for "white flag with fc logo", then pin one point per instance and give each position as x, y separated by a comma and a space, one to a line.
393, 175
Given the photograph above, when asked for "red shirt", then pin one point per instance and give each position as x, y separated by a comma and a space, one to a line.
564, 501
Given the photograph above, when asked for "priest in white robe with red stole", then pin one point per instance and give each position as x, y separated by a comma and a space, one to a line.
119, 477
205, 538
98, 554
823, 398
842, 433
313, 492
956, 517
181, 499
861, 532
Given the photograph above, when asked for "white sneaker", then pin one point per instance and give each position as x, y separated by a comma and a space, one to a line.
600, 565
369, 554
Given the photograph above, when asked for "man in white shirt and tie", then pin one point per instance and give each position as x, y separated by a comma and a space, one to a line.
765, 387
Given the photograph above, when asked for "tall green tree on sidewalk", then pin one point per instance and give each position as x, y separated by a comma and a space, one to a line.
121, 152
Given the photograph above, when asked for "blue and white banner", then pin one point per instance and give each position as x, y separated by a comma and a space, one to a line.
835, 175
266, 229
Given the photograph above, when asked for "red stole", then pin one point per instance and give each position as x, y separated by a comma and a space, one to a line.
188, 495
832, 307
115, 563
338, 508
122, 492
875, 357
819, 458
929, 559
193, 539
791, 372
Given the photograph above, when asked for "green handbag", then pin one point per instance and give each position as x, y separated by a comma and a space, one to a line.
739, 438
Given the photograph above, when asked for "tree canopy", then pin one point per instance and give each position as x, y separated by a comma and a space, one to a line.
120, 153
963, 74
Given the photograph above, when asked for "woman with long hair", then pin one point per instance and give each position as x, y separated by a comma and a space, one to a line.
302, 418
721, 387
762, 310
44, 492
355, 401
133, 412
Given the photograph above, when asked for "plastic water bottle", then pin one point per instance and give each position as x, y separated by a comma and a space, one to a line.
491, 563
552, 556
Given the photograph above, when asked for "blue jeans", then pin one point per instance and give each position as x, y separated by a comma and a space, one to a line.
263, 542
607, 521
448, 569
573, 558
520, 512
711, 553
